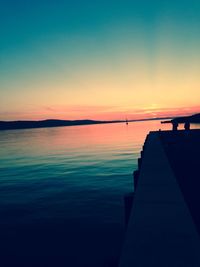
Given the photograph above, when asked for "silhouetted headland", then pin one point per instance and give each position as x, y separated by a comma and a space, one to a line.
192, 119
14, 125
11, 125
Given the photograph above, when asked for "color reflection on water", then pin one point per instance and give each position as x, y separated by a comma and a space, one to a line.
61, 192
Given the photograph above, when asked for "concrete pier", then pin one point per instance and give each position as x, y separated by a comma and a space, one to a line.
161, 231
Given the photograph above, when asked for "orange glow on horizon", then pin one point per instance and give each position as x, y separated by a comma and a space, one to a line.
100, 113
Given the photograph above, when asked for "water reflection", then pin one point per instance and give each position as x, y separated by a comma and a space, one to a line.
64, 187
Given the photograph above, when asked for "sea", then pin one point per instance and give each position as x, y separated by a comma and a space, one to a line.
62, 193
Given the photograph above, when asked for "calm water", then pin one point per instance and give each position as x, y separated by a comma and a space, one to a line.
61, 193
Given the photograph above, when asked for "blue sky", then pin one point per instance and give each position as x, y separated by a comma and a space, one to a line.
73, 49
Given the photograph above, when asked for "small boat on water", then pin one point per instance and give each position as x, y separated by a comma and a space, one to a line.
126, 121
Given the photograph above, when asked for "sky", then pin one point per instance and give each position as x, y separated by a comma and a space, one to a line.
105, 60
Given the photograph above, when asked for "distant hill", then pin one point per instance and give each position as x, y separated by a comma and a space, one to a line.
11, 125
14, 125
192, 119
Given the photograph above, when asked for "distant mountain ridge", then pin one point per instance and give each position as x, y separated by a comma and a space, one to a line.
14, 125
11, 125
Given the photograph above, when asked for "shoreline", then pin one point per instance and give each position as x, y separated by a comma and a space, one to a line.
20, 125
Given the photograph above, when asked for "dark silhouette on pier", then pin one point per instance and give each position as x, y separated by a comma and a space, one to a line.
187, 125
163, 213
174, 125
182, 151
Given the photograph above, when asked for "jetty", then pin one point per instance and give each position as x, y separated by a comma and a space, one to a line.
163, 212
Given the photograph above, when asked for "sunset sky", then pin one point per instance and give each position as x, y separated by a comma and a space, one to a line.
87, 59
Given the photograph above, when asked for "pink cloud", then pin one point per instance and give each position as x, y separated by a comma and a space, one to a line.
96, 113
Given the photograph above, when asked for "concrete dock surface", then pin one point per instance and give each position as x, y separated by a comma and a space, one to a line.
183, 152
164, 221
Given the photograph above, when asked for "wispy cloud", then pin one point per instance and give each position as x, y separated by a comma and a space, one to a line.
106, 112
